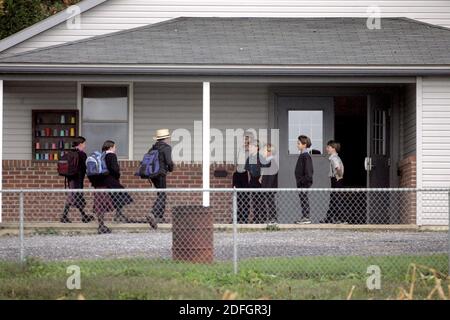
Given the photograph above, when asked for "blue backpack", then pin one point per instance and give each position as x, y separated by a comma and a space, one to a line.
150, 166
96, 165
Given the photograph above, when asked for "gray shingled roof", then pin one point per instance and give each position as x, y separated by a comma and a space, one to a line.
257, 41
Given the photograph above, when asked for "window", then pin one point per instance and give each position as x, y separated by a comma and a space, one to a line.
379, 132
309, 123
105, 117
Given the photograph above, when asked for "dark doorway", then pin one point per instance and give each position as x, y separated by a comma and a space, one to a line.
351, 131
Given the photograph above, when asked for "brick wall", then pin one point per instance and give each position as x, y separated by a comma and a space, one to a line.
408, 174
24, 174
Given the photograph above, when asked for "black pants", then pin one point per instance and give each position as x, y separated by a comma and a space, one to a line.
159, 207
240, 180
269, 207
304, 202
257, 200
335, 210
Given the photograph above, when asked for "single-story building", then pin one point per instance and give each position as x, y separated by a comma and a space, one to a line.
383, 93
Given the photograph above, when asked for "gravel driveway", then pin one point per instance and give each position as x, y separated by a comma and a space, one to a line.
157, 244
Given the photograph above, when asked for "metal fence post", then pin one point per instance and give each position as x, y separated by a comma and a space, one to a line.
21, 228
235, 248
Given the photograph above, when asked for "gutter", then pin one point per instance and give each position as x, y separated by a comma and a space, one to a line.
226, 70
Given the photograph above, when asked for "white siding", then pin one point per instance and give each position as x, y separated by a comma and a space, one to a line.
177, 106
158, 106
435, 171
22, 97
115, 15
408, 123
173, 106
241, 106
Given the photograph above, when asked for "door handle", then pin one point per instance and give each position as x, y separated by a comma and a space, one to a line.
368, 164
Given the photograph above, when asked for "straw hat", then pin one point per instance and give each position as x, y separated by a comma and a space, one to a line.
162, 134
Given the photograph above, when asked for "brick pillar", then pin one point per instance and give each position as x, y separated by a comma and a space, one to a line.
408, 173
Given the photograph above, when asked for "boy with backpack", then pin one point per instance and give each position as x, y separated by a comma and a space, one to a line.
155, 166
73, 167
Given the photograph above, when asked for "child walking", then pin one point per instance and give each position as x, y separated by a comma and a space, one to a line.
336, 175
304, 171
76, 199
108, 202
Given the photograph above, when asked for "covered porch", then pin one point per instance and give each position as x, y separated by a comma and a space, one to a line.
129, 111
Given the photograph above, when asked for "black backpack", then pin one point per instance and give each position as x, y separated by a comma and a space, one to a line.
68, 165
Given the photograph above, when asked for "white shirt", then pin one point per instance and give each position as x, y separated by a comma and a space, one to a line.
336, 163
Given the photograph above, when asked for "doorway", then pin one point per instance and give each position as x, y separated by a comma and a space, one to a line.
361, 123
350, 129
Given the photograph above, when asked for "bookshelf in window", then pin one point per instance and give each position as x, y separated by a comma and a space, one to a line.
53, 133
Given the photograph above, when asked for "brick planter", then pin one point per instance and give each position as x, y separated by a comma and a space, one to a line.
407, 170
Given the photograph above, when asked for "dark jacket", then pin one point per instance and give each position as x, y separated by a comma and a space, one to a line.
304, 171
253, 165
165, 156
269, 173
77, 181
112, 180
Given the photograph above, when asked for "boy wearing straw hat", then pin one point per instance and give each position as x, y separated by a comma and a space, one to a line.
166, 165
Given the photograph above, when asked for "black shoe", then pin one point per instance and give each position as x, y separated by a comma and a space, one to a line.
65, 219
152, 222
103, 229
87, 218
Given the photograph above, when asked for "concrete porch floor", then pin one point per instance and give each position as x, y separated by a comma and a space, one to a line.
12, 228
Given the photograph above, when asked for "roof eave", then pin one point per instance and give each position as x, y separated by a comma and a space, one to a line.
45, 24
200, 70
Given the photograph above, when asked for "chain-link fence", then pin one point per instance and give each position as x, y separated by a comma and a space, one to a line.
290, 233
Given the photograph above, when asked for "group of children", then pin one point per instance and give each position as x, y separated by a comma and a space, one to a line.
117, 200
261, 171
304, 171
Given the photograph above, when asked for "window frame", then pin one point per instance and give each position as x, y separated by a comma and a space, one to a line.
288, 128
130, 87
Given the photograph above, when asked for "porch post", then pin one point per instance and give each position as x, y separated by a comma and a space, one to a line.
419, 147
206, 141
1, 147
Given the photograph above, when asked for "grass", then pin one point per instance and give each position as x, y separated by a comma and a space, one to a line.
260, 278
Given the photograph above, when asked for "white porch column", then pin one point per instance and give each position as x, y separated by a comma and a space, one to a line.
206, 141
419, 147
1, 146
